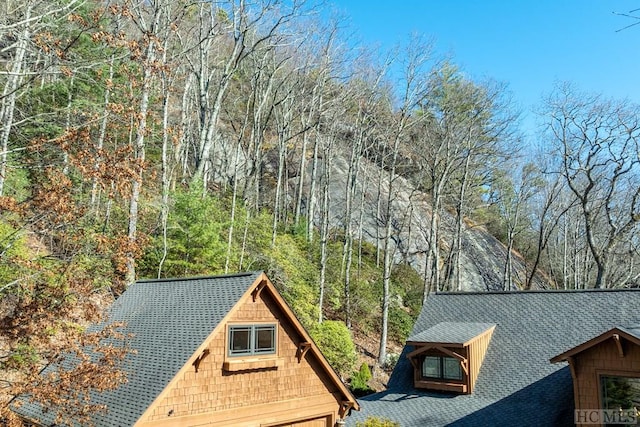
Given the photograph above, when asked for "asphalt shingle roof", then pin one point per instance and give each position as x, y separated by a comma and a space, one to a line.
169, 320
451, 332
632, 330
517, 384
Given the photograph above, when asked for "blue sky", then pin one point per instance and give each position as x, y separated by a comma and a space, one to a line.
527, 44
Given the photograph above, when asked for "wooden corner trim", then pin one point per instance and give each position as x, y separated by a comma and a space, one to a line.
345, 407
258, 289
451, 353
303, 347
618, 341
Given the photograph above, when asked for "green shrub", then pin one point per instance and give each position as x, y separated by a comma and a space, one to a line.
334, 340
359, 380
365, 372
14, 256
406, 286
377, 422
400, 323
195, 238
22, 356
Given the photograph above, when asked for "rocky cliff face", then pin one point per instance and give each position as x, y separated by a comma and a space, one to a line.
482, 258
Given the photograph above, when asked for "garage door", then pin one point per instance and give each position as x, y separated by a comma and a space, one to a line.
314, 422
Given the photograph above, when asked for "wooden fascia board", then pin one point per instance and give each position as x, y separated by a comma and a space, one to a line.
306, 338
453, 344
220, 328
593, 342
574, 380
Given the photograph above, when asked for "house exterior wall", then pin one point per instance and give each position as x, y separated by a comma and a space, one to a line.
602, 359
477, 350
281, 391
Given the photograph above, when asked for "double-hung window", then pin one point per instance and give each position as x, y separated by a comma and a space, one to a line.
441, 367
249, 340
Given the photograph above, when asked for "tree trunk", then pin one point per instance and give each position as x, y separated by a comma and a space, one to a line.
9, 96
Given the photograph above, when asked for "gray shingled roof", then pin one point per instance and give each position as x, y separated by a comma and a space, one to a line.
517, 385
169, 320
633, 330
451, 332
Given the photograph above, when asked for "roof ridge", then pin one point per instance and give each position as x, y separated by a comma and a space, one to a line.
183, 279
540, 291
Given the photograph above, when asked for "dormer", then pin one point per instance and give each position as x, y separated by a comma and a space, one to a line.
448, 355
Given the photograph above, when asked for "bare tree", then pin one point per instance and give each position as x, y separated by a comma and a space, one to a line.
549, 212
242, 27
414, 89
152, 21
513, 195
598, 142
21, 22
367, 88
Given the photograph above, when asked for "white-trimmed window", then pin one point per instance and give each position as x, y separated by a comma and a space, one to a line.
247, 340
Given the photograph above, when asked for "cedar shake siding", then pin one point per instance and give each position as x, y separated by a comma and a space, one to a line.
615, 353
249, 394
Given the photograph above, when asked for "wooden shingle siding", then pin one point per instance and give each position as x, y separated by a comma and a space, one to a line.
602, 359
477, 350
254, 395
317, 422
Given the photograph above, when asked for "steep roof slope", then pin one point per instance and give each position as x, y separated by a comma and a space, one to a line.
630, 333
451, 332
517, 384
169, 320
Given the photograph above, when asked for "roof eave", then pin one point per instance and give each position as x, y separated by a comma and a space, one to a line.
563, 357
346, 393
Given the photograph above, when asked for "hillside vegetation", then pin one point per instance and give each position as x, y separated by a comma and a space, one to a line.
176, 138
